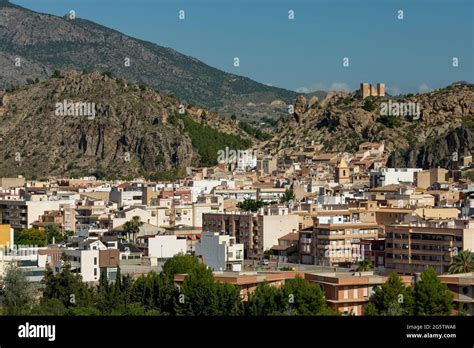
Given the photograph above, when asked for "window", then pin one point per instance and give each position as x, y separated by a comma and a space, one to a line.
95, 272
346, 293
355, 293
365, 292
95, 261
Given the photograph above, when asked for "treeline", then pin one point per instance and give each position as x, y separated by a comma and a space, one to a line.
428, 297
64, 293
255, 132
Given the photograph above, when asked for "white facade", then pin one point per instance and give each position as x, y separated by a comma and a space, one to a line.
201, 187
84, 262
220, 252
393, 176
165, 247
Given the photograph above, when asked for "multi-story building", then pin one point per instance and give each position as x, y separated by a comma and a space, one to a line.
220, 252
21, 214
257, 231
411, 247
462, 287
390, 176
347, 292
335, 243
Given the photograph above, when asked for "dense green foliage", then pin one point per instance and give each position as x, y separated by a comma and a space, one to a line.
295, 297
428, 297
250, 205
431, 296
255, 132
31, 236
207, 140
369, 104
199, 294
16, 292
390, 121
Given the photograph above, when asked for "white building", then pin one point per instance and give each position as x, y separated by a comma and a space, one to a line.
204, 187
220, 252
165, 246
393, 176
126, 197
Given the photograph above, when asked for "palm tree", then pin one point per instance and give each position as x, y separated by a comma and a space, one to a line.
364, 266
133, 227
463, 262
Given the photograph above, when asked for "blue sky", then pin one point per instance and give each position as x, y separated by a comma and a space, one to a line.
410, 55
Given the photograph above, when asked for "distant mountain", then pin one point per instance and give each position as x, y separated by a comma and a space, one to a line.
45, 43
88, 123
342, 121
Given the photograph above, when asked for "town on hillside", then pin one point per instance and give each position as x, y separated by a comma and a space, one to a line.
341, 221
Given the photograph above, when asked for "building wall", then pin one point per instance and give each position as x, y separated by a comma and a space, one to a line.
166, 246
276, 226
6, 236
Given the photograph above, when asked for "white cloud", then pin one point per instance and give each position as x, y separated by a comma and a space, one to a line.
393, 90
302, 90
424, 88
319, 86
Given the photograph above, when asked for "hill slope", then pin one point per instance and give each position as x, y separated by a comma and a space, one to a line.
342, 121
134, 130
46, 43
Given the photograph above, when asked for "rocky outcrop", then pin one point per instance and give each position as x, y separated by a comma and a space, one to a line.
342, 121
300, 107
128, 132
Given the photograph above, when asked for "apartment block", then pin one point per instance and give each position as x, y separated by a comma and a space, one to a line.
335, 244
411, 248
345, 292
462, 287
257, 232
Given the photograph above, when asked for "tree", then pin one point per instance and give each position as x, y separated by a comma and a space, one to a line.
133, 227
304, 297
392, 298
364, 265
250, 205
369, 104
179, 264
463, 262
288, 196
66, 286
265, 300
199, 295
30, 236
16, 292
431, 296
56, 74
52, 231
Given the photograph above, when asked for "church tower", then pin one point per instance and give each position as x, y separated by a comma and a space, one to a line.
342, 172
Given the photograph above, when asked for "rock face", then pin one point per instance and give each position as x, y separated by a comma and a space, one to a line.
45, 43
342, 121
300, 107
129, 134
